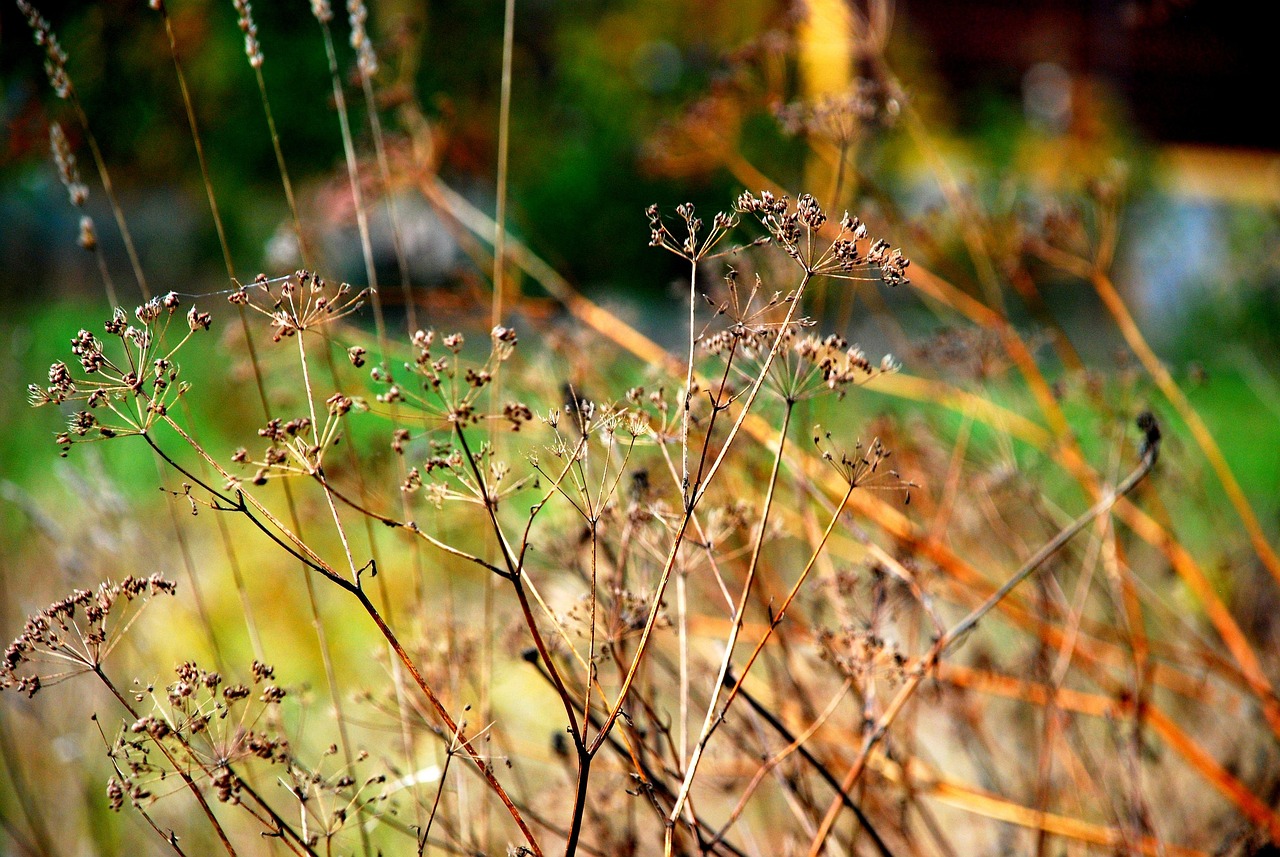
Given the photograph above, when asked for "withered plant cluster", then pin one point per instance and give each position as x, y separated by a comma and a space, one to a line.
716, 608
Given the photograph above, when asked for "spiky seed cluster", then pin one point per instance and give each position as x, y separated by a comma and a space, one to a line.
322, 11
691, 247
449, 388
299, 302
752, 320
862, 468
74, 632
838, 364
201, 723
797, 232
55, 63
297, 447
136, 388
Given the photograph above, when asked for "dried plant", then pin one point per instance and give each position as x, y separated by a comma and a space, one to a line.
616, 617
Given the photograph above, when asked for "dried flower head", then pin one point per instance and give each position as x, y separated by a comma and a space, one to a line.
127, 391
203, 726
799, 232
692, 246
299, 302
864, 466
449, 387
74, 635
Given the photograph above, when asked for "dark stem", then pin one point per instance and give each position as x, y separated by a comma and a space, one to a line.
514, 573
821, 769
579, 802
186, 778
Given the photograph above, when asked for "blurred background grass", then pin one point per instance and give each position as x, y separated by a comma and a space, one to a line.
1024, 102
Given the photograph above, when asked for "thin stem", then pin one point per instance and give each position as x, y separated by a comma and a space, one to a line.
285, 182
688, 385
393, 211
698, 490
1150, 453
515, 574
739, 615
353, 181
116, 210
579, 801
186, 778
504, 141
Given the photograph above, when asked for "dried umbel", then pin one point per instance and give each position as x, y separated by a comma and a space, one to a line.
203, 724
74, 635
804, 365
694, 246
863, 466
125, 388
448, 386
299, 302
803, 232
297, 447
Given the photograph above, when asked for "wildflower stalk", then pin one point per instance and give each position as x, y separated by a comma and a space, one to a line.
253, 51
248, 505
353, 180
688, 385
323, 15
393, 208
496, 311
696, 492
331, 677
504, 143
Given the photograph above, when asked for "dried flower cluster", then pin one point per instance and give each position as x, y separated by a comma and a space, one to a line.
693, 246
839, 117
299, 302
201, 723
799, 230
450, 386
862, 467
136, 386
75, 634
